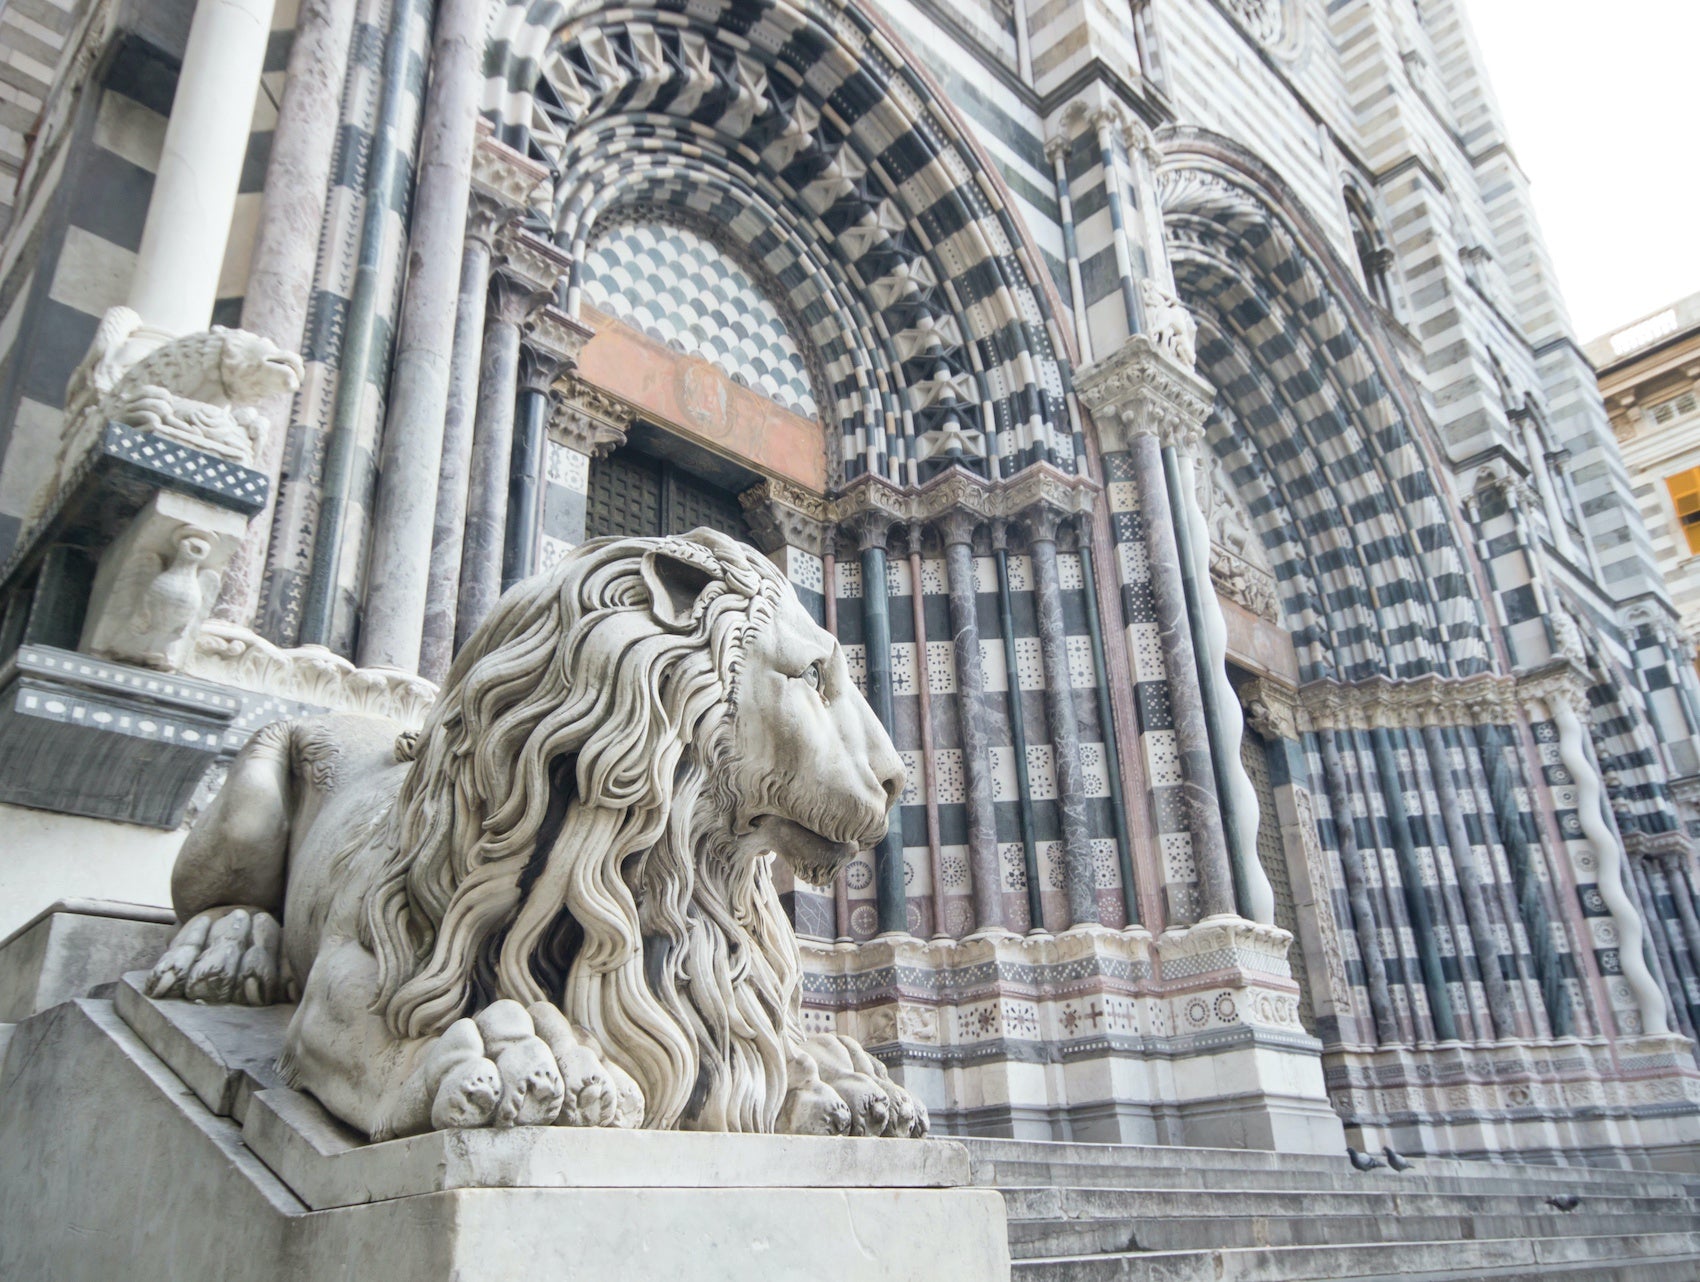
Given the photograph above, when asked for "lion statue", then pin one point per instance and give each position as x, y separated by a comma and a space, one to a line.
201, 390
554, 903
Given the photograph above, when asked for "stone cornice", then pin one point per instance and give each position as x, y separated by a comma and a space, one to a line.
530, 260
784, 515
1379, 703
1141, 390
957, 490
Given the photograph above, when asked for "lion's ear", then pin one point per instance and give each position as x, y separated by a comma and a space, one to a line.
675, 585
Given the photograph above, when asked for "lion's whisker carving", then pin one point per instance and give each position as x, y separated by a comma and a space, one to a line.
555, 902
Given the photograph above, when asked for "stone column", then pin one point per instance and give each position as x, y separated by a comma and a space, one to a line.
525, 277
924, 698
1018, 733
1416, 895
1221, 707
448, 537
1145, 397
285, 253
175, 282
511, 302
1677, 884
872, 530
503, 181
957, 530
1676, 1005
1107, 724
1357, 887
1498, 993
1042, 525
397, 574
587, 424
1566, 700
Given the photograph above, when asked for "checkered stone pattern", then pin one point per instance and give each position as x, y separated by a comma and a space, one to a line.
1365, 552
822, 156
296, 518
1667, 684
683, 290
1158, 750
1627, 747
1518, 602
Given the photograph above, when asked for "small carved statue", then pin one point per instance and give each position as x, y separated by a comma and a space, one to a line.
1168, 324
159, 600
201, 390
554, 903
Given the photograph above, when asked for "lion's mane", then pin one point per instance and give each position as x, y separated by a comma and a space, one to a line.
564, 835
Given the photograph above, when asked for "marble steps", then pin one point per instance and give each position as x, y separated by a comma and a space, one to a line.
1646, 1257
1030, 1163
1033, 1239
1091, 1212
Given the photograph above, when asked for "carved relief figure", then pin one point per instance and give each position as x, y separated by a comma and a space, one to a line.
554, 903
157, 600
1168, 323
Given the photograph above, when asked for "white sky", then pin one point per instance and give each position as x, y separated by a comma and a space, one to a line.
1600, 104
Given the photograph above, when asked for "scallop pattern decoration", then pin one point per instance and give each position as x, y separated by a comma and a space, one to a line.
683, 290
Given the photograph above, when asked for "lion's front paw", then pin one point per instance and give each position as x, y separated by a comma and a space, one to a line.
877, 1104
225, 956
492, 1070
598, 1092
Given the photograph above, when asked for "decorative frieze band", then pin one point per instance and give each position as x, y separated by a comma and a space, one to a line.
1039, 487
1484, 699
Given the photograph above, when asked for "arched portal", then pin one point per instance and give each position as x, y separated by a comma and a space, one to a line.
803, 137
1317, 433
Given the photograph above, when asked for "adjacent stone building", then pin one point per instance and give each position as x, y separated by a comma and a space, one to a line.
1168, 406
1649, 374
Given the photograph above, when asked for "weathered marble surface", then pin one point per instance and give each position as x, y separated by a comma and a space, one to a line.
278, 1190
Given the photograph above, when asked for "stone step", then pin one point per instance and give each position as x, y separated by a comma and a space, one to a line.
1053, 1203
1001, 1152
1047, 1238
1617, 1257
1487, 1179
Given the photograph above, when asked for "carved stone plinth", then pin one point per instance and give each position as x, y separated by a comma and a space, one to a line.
1098, 1035
197, 1162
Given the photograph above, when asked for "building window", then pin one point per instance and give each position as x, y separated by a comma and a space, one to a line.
1685, 497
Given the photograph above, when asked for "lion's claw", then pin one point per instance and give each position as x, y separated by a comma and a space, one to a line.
224, 956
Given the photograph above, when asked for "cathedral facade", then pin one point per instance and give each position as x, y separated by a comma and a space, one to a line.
1167, 404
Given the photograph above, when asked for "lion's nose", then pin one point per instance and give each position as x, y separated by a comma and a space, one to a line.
892, 778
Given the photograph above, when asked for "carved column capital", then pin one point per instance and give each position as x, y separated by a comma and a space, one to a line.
1042, 522
1271, 709
870, 528
550, 348
957, 526
1143, 390
587, 419
785, 515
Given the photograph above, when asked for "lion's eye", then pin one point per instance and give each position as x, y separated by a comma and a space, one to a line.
812, 675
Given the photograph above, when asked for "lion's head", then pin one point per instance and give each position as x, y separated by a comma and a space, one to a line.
591, 807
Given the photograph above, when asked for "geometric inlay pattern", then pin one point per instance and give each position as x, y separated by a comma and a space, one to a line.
684, 291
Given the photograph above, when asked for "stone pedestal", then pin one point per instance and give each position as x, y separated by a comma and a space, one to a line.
194, 1162
1108, 1036
74, 945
